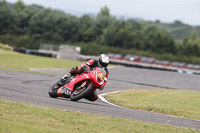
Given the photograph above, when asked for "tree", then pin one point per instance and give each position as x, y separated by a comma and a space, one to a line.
177, 22
6, 21
160, 42
110, 35
120, 34
134, 25
86, 30
103, 20
21, 17
191, 46
102, 23
42, 25
104, 12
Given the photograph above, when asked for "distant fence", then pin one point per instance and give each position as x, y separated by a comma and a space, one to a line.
161, 65
49, 47
34, 52
48, 50
153, 61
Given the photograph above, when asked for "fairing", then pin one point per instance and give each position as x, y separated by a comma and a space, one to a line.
95, 77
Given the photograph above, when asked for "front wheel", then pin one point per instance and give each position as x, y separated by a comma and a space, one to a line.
53, 91
77, 95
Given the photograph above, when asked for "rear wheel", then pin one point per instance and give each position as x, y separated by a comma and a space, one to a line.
53, 91
81, 92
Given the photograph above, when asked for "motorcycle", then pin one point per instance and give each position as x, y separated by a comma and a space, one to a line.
81, 85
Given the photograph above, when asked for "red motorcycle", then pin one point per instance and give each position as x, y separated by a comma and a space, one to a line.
81, 85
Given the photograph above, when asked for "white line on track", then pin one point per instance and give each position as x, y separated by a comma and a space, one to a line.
104, 100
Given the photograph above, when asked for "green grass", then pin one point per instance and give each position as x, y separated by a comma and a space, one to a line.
6, 47
22, 61
22, 118
183, 103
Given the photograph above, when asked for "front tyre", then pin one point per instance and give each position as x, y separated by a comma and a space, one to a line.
53, 91
77, 96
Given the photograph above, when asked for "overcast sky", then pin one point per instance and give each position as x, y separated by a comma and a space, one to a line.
187, 11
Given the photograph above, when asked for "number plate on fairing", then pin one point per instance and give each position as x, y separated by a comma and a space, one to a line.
101, 76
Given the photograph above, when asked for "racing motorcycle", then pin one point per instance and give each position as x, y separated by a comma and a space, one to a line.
81, 85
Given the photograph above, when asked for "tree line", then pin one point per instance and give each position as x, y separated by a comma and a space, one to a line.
28, 26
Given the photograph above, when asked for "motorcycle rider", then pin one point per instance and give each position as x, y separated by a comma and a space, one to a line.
103, 61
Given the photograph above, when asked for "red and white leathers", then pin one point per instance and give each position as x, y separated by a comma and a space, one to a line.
90, 64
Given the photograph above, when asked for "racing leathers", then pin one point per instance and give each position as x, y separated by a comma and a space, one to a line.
85, 67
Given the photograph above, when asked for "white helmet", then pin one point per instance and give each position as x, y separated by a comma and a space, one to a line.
103, 60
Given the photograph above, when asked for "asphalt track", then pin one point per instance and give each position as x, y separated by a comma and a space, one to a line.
32, 88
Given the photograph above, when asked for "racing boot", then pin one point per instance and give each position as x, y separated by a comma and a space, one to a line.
63, 80
65, 77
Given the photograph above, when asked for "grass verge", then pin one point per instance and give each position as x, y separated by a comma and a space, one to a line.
22, 118
22, 61
6, 47
181, 103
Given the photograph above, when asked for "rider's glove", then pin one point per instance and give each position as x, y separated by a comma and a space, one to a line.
86, 68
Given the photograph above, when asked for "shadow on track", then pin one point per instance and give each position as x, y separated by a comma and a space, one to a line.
82, 102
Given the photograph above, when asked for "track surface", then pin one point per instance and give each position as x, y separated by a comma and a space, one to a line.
32, 88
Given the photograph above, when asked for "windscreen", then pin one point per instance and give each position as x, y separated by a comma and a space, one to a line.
102, 70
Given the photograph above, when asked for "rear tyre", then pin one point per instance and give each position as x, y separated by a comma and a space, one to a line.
53, 91
84, 93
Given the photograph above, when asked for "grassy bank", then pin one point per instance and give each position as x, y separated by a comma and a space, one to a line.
21, 118
5, 47
181, 103
23, 61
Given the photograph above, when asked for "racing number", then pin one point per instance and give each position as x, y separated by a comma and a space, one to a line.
101, 76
